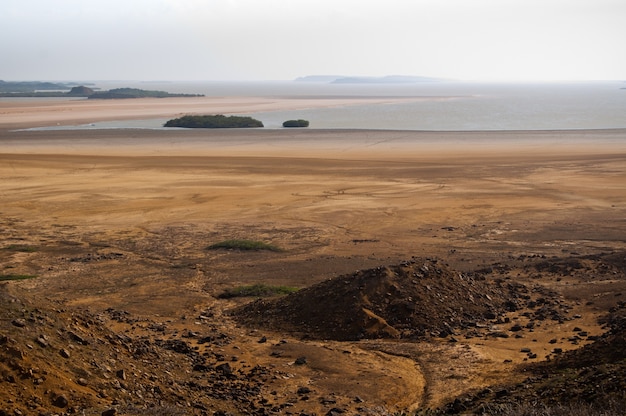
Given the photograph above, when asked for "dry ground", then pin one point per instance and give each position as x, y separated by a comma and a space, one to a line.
115, 227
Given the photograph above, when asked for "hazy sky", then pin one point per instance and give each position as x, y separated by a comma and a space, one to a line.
284, 39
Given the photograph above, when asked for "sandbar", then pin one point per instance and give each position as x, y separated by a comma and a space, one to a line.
21, 113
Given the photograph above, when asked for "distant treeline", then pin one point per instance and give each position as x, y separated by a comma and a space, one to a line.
49, 89
31, 86
136, 93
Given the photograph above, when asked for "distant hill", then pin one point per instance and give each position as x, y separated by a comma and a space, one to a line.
390, 79
136, 93
80, 91
49, 89
319, 78
30, 86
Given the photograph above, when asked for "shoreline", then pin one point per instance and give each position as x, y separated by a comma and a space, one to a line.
51, 112
20, 133
321, 144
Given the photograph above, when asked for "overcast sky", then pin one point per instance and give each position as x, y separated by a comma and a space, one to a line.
284, 39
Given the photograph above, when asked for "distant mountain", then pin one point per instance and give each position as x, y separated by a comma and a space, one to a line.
319, 78
389, 79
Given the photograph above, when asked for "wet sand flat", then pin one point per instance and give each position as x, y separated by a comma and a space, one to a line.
362, 184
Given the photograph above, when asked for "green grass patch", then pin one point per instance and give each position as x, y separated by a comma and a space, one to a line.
259, 290
23, 248
243, 245
5, 277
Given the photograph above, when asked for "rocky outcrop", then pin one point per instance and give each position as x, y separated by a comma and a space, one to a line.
416, 299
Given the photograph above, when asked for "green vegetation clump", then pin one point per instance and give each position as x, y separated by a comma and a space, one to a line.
296, 123
135, 93
81, 91
48, 89
258, 290
243, 245
217, 121
5, 277
21, 248
29, 86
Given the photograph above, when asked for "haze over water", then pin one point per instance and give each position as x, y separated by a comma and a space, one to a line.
441, 106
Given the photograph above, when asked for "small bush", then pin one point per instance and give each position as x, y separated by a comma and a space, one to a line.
21, 248
259, 290
243, 245
5, 277
296, 123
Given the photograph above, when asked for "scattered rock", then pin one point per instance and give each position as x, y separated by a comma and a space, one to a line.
42, 340
15, 352
225, 369
502, 393
75, 337
60, 401
19, 322
498, 334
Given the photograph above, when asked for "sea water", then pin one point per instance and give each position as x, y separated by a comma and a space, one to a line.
436, 106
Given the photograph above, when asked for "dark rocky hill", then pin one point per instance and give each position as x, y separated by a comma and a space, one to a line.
416, 299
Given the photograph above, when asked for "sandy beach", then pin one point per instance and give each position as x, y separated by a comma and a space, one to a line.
335, 200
